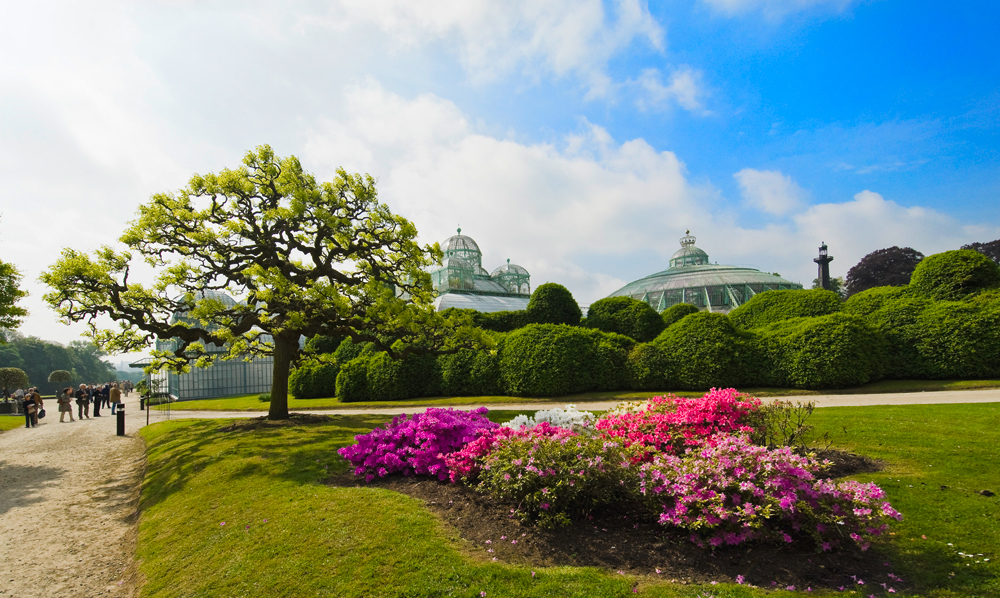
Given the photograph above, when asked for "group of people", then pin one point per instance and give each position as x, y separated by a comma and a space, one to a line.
98, 395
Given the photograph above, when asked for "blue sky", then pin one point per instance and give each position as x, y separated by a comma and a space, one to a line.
579, 139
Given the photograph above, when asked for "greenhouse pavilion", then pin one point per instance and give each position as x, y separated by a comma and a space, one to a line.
692, 279
462, 282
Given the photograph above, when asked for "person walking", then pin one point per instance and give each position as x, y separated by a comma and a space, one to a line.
30, 407
106, 395
95, 400
65, 401
39, 403
83, 402
116, 397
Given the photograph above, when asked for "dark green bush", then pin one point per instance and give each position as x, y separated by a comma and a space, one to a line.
348, 350
673, 314
959, 339
321, 344
646, 367
352, 381
556, 359
832, 351
501, 321
314, 380
704, 350
869, 301
385, 380
897, 321
953, 275
774, 306
552, 303
420, 376
625, 315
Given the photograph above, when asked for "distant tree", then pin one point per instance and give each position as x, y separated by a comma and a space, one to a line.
625, 315
10, 357
300, 259
552, 303
990, 250
890, 267
13, 378
837, 285
10, 294
60, 377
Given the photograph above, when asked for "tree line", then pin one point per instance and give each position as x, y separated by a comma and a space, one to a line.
39, 358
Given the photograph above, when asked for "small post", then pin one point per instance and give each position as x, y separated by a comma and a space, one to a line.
142, 403
121, 419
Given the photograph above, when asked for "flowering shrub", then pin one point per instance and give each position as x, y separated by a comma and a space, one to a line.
465, 463
551, 478
670, 423
417, 444
569, 418
735, 491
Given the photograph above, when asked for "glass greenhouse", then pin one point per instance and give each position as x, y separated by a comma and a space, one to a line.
462, 282
692, 279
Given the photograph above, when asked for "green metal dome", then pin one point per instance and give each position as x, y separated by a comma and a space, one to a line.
692, 279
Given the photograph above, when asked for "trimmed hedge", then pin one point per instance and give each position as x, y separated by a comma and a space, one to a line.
501, 321
953, 275
675, 313
646, 367
352, 381
959, 339
774, 306
869, 301
833, 351
313, 381
625, 315
552, 303
704, 350
557, 359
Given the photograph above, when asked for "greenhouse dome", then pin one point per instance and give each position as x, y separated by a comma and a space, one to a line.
692, 279
461, 281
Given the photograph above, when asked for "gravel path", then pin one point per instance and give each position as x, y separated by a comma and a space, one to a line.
68, 499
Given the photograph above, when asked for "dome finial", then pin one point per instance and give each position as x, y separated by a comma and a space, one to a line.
687, 240
460, 229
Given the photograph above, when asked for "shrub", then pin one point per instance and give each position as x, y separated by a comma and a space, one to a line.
675, 313
646, 367
569, 418
780, 423
552, 303
868, 302
955, 274
671, 424
384, 378
626, 316
833, 351
313, 380
348, 350
415, 444
352, 381
734, 491
548, 360
466, 463
553, 480
897, 321
420, 376
959, 339
264, 397
704, 350
322, 344
501, 321
774, 306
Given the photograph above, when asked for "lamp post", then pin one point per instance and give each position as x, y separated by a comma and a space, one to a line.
824, 266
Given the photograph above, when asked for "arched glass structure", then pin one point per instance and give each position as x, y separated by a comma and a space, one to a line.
461, 280
692, 279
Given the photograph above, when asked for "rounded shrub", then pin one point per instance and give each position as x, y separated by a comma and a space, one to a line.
774, 306
322, 344
385, 380
959, 339
552, 303
897, 321
869, 301
955, 274
646, 367
673, 314
352, 381
625, 315
703, 350
502, 321
310, 381
832, 351
420, 376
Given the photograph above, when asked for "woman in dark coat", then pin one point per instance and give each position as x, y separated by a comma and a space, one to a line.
30, 408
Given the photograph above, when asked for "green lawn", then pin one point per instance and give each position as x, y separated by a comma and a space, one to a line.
286, 534
252, 403
9, 422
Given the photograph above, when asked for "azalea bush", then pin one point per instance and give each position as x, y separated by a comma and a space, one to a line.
570, 418
734, 491
554, 479
415, 444
465, 463
671, 423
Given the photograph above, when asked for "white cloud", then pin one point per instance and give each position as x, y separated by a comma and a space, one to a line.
495, 37
769, 190
685, 88
775, 9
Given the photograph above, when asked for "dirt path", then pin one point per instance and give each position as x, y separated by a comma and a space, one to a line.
68, 499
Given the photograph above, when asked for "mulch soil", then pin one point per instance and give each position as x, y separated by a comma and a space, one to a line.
628, 539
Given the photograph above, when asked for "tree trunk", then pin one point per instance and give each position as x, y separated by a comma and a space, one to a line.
285, 348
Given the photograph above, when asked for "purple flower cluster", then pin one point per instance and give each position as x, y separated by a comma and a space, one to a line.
735, 491
415, 444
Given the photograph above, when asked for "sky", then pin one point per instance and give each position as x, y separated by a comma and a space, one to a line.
579, 139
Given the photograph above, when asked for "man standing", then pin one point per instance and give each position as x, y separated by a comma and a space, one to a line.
95, 397
83, 401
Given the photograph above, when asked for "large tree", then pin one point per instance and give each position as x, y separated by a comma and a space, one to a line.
837, 285
990, 250
885, 267
10, 294
301, 258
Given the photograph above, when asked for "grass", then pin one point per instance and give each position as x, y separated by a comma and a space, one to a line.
286, 534
252, 403
9, 422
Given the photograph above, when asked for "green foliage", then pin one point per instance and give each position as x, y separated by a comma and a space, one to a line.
314, 380
953, 275
39, 358
959, 339
646, 367
625, 315
774, 306
780, 423
501, 321
868, 302
384, 379
10, 294
264, 397
674, 313
60, 376
552, 303
704, 350
13, 378
322, 344
556, 359
831, 351
352, 381
897, 321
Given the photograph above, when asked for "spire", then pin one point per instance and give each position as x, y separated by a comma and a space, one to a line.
687, 240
